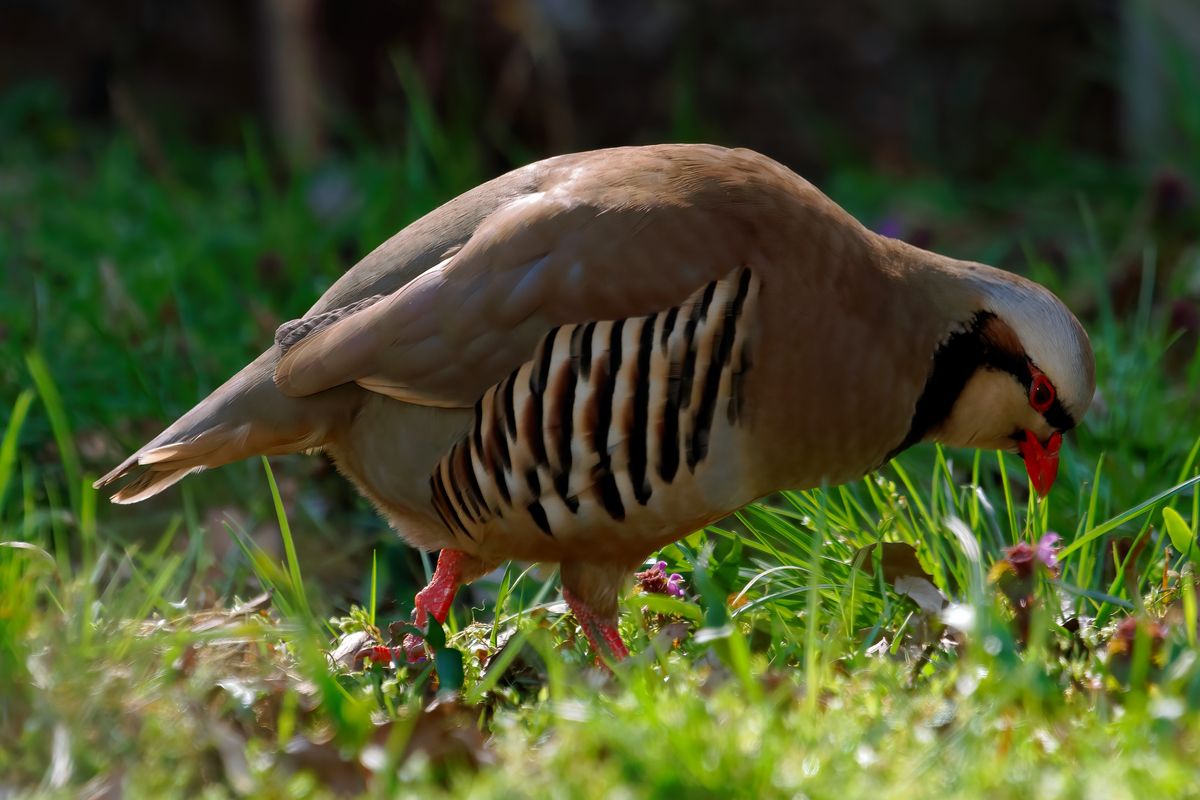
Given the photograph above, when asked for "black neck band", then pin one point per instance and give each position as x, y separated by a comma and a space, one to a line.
956, 360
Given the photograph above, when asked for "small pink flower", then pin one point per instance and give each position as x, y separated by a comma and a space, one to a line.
656, 581
1014, 575
1023, 557
1020, 559
1047, 551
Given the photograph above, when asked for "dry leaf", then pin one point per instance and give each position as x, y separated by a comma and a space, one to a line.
927, 596
347, 647
447, 733
898, 559
324, 760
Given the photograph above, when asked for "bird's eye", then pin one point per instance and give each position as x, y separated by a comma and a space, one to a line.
1041, 393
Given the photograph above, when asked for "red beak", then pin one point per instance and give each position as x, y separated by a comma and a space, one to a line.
1041, 462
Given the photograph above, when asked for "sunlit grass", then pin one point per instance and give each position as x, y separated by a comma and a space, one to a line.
800, 673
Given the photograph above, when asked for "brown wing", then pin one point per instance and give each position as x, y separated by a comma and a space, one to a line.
616, 235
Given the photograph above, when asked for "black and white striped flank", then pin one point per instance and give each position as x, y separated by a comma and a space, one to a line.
604, 416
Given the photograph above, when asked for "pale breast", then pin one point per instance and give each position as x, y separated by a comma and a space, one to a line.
617, 436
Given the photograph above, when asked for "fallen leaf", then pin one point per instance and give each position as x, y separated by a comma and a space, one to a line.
927, 596
324, 761
231, 747
447, 733
108, 786
898, 559
253, 605
671, 636
347, 647
527, 672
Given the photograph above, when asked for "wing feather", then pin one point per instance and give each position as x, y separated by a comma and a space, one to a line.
589, 244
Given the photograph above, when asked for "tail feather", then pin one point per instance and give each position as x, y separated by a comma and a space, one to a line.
148, 484
246, 416
208, 442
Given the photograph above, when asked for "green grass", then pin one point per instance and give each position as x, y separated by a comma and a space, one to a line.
794, 666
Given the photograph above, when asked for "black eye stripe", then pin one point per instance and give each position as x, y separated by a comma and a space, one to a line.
955, 362
1058, 417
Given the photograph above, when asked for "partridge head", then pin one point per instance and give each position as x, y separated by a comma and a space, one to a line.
1020, 369
590, 357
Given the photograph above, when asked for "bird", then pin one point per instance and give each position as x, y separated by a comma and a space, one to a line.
591, 356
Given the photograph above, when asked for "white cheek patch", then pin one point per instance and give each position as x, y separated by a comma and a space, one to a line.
990, 408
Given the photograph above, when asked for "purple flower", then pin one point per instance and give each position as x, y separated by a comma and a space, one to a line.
1047, 551
1022, 558
656, 581
1014, 575
1019, 559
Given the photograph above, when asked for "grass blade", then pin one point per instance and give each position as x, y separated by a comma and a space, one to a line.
289, 546
61, 429
1126, 516
8, 447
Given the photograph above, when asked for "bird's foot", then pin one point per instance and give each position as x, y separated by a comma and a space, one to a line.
600, 630
378, 654
434, 600
437, 597
412, 650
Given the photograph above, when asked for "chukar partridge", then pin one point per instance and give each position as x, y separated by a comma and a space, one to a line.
590, 357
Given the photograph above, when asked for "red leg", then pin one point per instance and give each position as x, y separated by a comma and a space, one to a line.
601, 632
435, 599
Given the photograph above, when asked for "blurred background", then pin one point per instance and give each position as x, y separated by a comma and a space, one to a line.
966, 85
176, 179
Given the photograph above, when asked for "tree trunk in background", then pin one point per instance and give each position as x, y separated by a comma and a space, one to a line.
292, 88
1160, 79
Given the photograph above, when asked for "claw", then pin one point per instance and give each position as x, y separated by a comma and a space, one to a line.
377, 654
414, 649
601, 631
